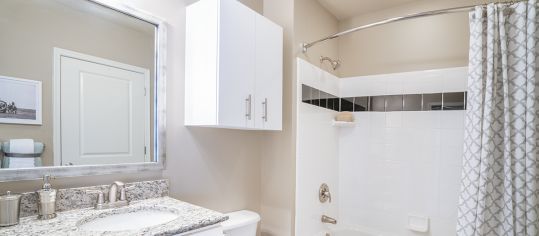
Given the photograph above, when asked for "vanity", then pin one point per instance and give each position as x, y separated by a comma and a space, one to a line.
149, 212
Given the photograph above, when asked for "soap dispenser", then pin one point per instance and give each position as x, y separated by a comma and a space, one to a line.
46, 205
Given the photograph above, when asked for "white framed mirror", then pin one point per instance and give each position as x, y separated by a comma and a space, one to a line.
82, 89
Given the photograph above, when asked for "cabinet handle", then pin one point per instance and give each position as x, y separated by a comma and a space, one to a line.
248, 107
265, 104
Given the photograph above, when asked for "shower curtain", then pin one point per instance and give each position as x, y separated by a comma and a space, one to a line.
499, 184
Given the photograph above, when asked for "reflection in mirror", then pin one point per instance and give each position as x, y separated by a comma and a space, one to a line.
77, 83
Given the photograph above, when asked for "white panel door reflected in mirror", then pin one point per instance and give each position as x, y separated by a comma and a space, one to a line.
103, 106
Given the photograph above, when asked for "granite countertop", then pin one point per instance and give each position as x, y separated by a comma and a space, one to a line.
191, 217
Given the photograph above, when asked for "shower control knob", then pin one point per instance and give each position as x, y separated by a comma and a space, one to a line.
323, 193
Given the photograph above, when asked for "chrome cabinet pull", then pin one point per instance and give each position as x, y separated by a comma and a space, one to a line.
248, 106
265, 115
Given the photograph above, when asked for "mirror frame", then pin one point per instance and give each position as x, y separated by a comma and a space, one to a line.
159, 114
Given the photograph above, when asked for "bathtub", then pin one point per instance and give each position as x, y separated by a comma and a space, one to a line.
349, 231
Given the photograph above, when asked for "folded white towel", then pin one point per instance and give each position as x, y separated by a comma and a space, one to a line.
21, 146
19, 162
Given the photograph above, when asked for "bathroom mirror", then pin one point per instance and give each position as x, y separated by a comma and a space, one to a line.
82, 89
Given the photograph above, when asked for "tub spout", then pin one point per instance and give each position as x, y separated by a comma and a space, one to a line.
328, 220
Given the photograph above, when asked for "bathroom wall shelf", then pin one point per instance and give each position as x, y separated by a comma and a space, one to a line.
343, 123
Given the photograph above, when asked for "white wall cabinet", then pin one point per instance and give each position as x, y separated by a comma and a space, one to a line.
233, 74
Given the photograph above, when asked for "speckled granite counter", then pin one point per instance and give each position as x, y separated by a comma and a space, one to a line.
191, 217
77, 198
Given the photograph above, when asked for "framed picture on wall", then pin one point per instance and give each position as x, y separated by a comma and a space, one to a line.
20, 101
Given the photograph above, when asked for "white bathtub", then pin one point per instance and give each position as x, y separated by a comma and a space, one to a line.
348, 231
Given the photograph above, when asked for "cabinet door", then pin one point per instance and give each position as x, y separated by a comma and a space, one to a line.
236, 65
269, 74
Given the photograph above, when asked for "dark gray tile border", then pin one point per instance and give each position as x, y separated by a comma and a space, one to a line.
347, 104
394, 103
432, 102
454, 101
306, 93
386, 103
412, 102
377, 103
361, 104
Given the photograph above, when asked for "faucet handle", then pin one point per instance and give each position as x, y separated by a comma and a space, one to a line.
100, 197
122, 187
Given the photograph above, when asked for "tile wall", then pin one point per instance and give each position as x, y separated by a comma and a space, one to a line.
407, 161
316, 152
403, 157
393, 164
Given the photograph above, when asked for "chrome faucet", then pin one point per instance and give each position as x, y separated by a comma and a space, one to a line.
114, 201
113, 191
328, 220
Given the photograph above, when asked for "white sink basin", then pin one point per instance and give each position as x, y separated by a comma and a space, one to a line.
129, 220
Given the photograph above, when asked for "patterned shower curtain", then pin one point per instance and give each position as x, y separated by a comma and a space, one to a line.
499, 185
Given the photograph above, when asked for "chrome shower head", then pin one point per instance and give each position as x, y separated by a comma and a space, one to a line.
334, 63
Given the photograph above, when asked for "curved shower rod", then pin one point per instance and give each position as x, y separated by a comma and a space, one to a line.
306, 46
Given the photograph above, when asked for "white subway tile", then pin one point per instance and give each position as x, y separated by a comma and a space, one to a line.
394, 135
452, 137
455, 79
393, 152
412, 119
394, 85
451, 155
452, 119
394, 119
377, 119
377, 152
449, 187
421, 192
421, 119
443, 227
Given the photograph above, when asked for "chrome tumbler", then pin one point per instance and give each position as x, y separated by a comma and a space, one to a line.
9, 209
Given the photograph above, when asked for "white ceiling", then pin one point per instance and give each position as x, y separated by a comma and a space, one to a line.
344, 9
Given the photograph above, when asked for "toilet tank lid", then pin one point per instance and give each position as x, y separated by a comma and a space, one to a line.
239, 219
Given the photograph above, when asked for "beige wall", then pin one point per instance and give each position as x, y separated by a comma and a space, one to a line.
312, 22
277, 148
30, 31
419, 44
215, 168
257, 5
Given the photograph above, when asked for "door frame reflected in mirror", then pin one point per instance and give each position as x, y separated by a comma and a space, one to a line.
159, 113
